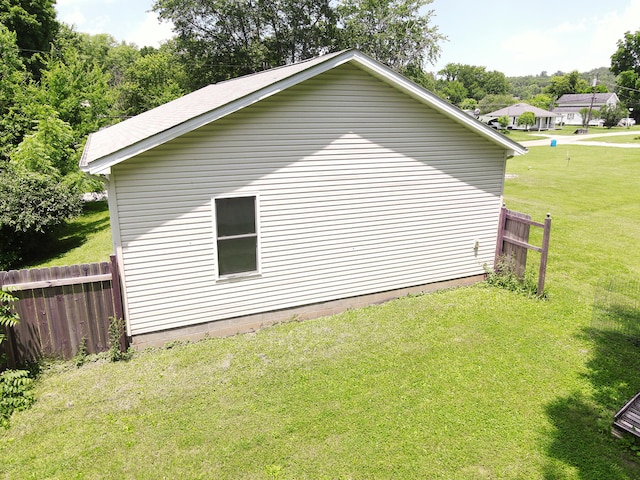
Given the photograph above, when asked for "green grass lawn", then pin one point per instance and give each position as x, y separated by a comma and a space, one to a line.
84, 239
632, 138
522, 136
473, 383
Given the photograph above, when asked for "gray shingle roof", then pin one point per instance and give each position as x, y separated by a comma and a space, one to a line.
518, 109
188, 107
133, 136
583, 99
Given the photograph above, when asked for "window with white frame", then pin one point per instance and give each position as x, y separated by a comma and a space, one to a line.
236, 229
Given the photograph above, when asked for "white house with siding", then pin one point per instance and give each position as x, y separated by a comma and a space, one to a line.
544, 120
298, 191
571, 106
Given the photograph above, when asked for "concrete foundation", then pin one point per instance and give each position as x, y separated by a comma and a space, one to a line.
251, 323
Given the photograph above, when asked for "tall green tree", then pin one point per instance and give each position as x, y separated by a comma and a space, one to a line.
50, 149
76, 88
569, 83
476, 80
625, 63
35, 25
222, 39
398, 33
13, 80
453, 91
150, 81
541, 100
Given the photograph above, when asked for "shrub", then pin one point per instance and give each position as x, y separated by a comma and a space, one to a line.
15, 393
503, 121
611, 115
32, 206
527, 119
8, 318
116, 330
504, 276
15, 385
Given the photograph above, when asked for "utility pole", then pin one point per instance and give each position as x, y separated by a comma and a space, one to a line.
593, 98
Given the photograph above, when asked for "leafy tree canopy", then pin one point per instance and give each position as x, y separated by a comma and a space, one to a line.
222, 39
35, 25
627, 57
569, 83
541, 100
491, 103
397, 33
13, 77
150, 81
611, 115
476, 80
625, 63
527, 119
32, 205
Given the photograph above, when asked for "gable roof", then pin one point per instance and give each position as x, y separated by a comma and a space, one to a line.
143, 132
518, 109
584, 99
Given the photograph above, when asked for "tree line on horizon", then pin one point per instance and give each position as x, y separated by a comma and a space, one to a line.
57, 85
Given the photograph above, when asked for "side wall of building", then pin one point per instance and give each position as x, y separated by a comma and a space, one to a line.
361, 189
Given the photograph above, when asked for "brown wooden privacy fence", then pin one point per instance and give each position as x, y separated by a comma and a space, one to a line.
513, 242
60, 308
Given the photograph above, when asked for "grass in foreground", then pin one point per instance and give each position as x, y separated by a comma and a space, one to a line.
471, 383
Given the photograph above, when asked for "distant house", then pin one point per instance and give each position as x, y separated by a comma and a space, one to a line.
545, 120
570, 104
295, 192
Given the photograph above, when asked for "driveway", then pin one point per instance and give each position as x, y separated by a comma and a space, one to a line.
582, 140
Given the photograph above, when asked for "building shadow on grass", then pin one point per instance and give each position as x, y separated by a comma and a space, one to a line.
72, 234
582, 439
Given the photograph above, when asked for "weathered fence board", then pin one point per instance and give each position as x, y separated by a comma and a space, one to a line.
513, 242
60, 308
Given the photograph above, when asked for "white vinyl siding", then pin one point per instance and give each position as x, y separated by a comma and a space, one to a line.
362, 189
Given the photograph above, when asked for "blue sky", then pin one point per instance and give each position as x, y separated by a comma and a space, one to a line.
513, 37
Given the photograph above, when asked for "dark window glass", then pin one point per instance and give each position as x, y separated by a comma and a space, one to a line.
236, 255
236, 216
236, 235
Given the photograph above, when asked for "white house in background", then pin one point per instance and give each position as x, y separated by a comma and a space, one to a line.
570, 104
302, 190
545, 120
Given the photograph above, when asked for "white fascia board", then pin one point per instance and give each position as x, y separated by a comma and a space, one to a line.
419, 93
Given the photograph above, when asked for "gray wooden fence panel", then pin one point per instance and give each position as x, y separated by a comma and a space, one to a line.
59, 309
513, 243
515, 229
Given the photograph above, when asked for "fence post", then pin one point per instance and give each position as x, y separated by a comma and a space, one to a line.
501, 221
117, 299
545, 252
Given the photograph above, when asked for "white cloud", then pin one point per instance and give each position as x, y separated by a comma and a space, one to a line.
533, 45
570, 27
150, 32
74, 18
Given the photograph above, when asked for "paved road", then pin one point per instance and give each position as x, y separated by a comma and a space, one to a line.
582, 140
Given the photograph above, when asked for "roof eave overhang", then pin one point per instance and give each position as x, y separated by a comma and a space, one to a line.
102, 166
